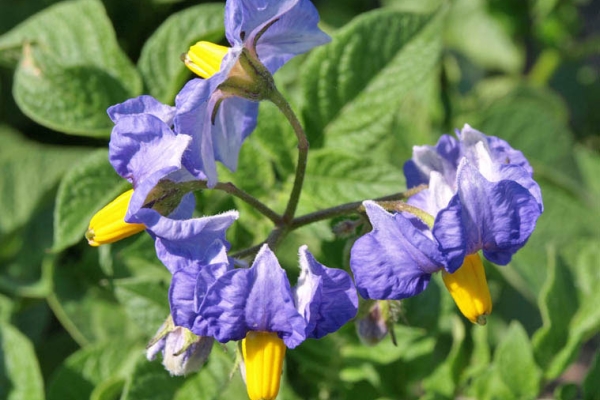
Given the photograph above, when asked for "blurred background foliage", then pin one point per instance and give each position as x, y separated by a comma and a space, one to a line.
74, 320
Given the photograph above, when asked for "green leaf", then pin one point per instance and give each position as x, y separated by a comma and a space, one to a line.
583, 261
84, 304
20, 376
516, 365
334, 177
85, 189
71, 69
160, 65
145, 301
443, 380
591, 384
355, 85
150, 380
422, 6
478, 35
6, 308
411, 343
558, 303
22, 272
567, 391
218, 379
489, 386
535, 122
29, 171
89, 367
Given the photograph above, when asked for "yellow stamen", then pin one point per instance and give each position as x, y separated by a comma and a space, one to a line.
263, 355
108, 225
469, 289
204, 58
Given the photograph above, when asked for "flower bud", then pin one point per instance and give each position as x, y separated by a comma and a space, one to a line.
108, 225
374, 325
182, 351
263, 358
469, 289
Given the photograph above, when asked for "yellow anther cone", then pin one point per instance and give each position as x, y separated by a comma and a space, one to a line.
108, 225
469, 289
263, 356
204, 58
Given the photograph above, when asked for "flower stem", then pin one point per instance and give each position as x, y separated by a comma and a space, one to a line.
303, 146
230, 188
348, 208
279, 234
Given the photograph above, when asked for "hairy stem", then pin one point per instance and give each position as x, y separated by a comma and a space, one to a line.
303, 146
230, 188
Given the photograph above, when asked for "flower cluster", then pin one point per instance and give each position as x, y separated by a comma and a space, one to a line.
479, 195
164, 152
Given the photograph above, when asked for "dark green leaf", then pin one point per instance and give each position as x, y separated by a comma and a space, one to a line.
71, 69
591, 384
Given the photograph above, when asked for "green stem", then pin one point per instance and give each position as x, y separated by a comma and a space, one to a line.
390, 201
230, 188
303, 146
348, 208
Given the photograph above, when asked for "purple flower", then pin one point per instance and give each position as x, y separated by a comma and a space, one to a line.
271, 31
483, 197
145, 150
211, 298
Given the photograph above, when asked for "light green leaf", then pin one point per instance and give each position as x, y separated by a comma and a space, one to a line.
85, 189
160, 65
71, 69
516, 365
475, 33
335, 177
29, 171
91, 366
489, 386
6, 308
20, 376
355, 86
422, 6
145, 301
